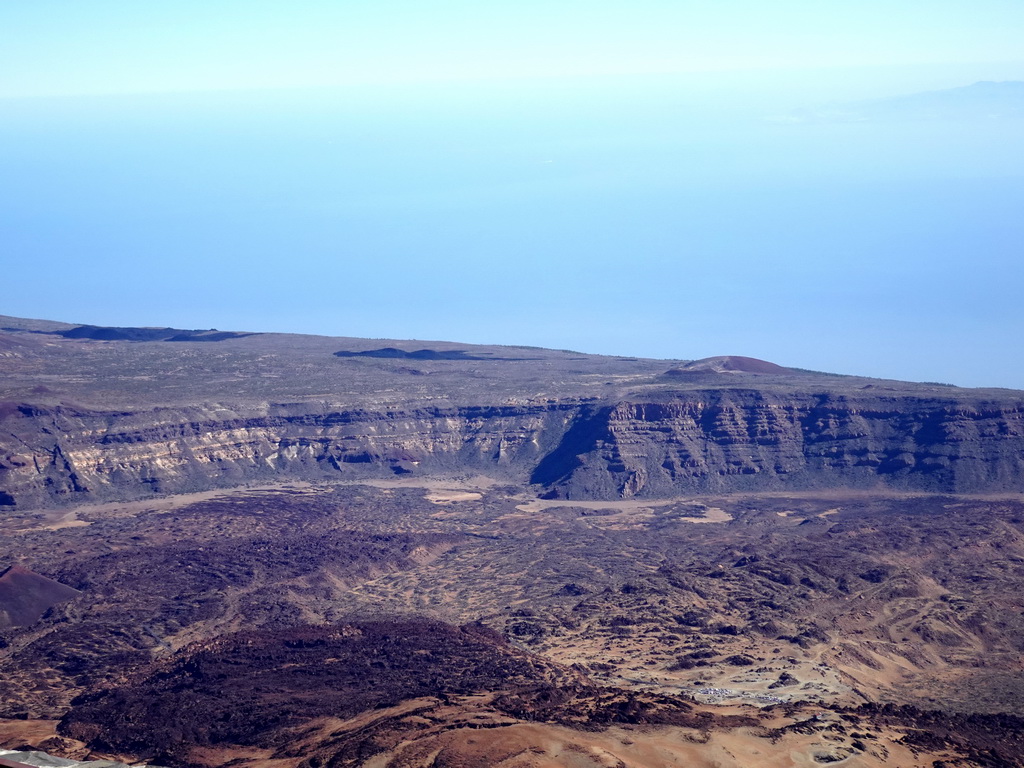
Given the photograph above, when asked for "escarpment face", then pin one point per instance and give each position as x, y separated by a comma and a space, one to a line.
125, 413
703, 440
746, 440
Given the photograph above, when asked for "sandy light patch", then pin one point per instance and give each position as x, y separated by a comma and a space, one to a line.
536, 745
53, 520
16, 733
449, 496
630, 510
631, 505
69, 520
440, 483
711, 515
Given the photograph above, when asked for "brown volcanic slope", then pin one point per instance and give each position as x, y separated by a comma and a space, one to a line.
25, 596
674, 615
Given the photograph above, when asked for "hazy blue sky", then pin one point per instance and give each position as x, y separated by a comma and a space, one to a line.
117, 46
649, 178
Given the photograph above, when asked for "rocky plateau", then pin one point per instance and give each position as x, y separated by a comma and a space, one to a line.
242, 409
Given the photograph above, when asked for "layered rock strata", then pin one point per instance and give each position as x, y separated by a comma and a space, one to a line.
671, 443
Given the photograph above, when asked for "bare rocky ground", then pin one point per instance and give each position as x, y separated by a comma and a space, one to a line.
773, 629
272, 551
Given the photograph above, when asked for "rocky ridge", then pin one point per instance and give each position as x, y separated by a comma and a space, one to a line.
575, 426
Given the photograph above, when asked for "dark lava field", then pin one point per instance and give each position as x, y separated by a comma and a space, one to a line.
262, 551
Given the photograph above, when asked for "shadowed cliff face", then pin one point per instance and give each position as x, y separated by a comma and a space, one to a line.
746, 440
702, 440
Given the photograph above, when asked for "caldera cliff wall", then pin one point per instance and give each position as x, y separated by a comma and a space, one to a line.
689, 442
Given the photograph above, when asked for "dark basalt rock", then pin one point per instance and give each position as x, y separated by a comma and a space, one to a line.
102, 333
992, 741
248, 688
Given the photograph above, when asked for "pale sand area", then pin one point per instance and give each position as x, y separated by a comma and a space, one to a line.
447, 490
434, 483
442, 489
437, 490
535, 745
14, 733
52, 520
505, 743
468, 736
631, 510
449, 496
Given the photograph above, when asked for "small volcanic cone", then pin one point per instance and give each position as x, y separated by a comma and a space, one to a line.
728, 364
25, 596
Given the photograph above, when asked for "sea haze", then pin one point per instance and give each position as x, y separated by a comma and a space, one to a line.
646, 217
